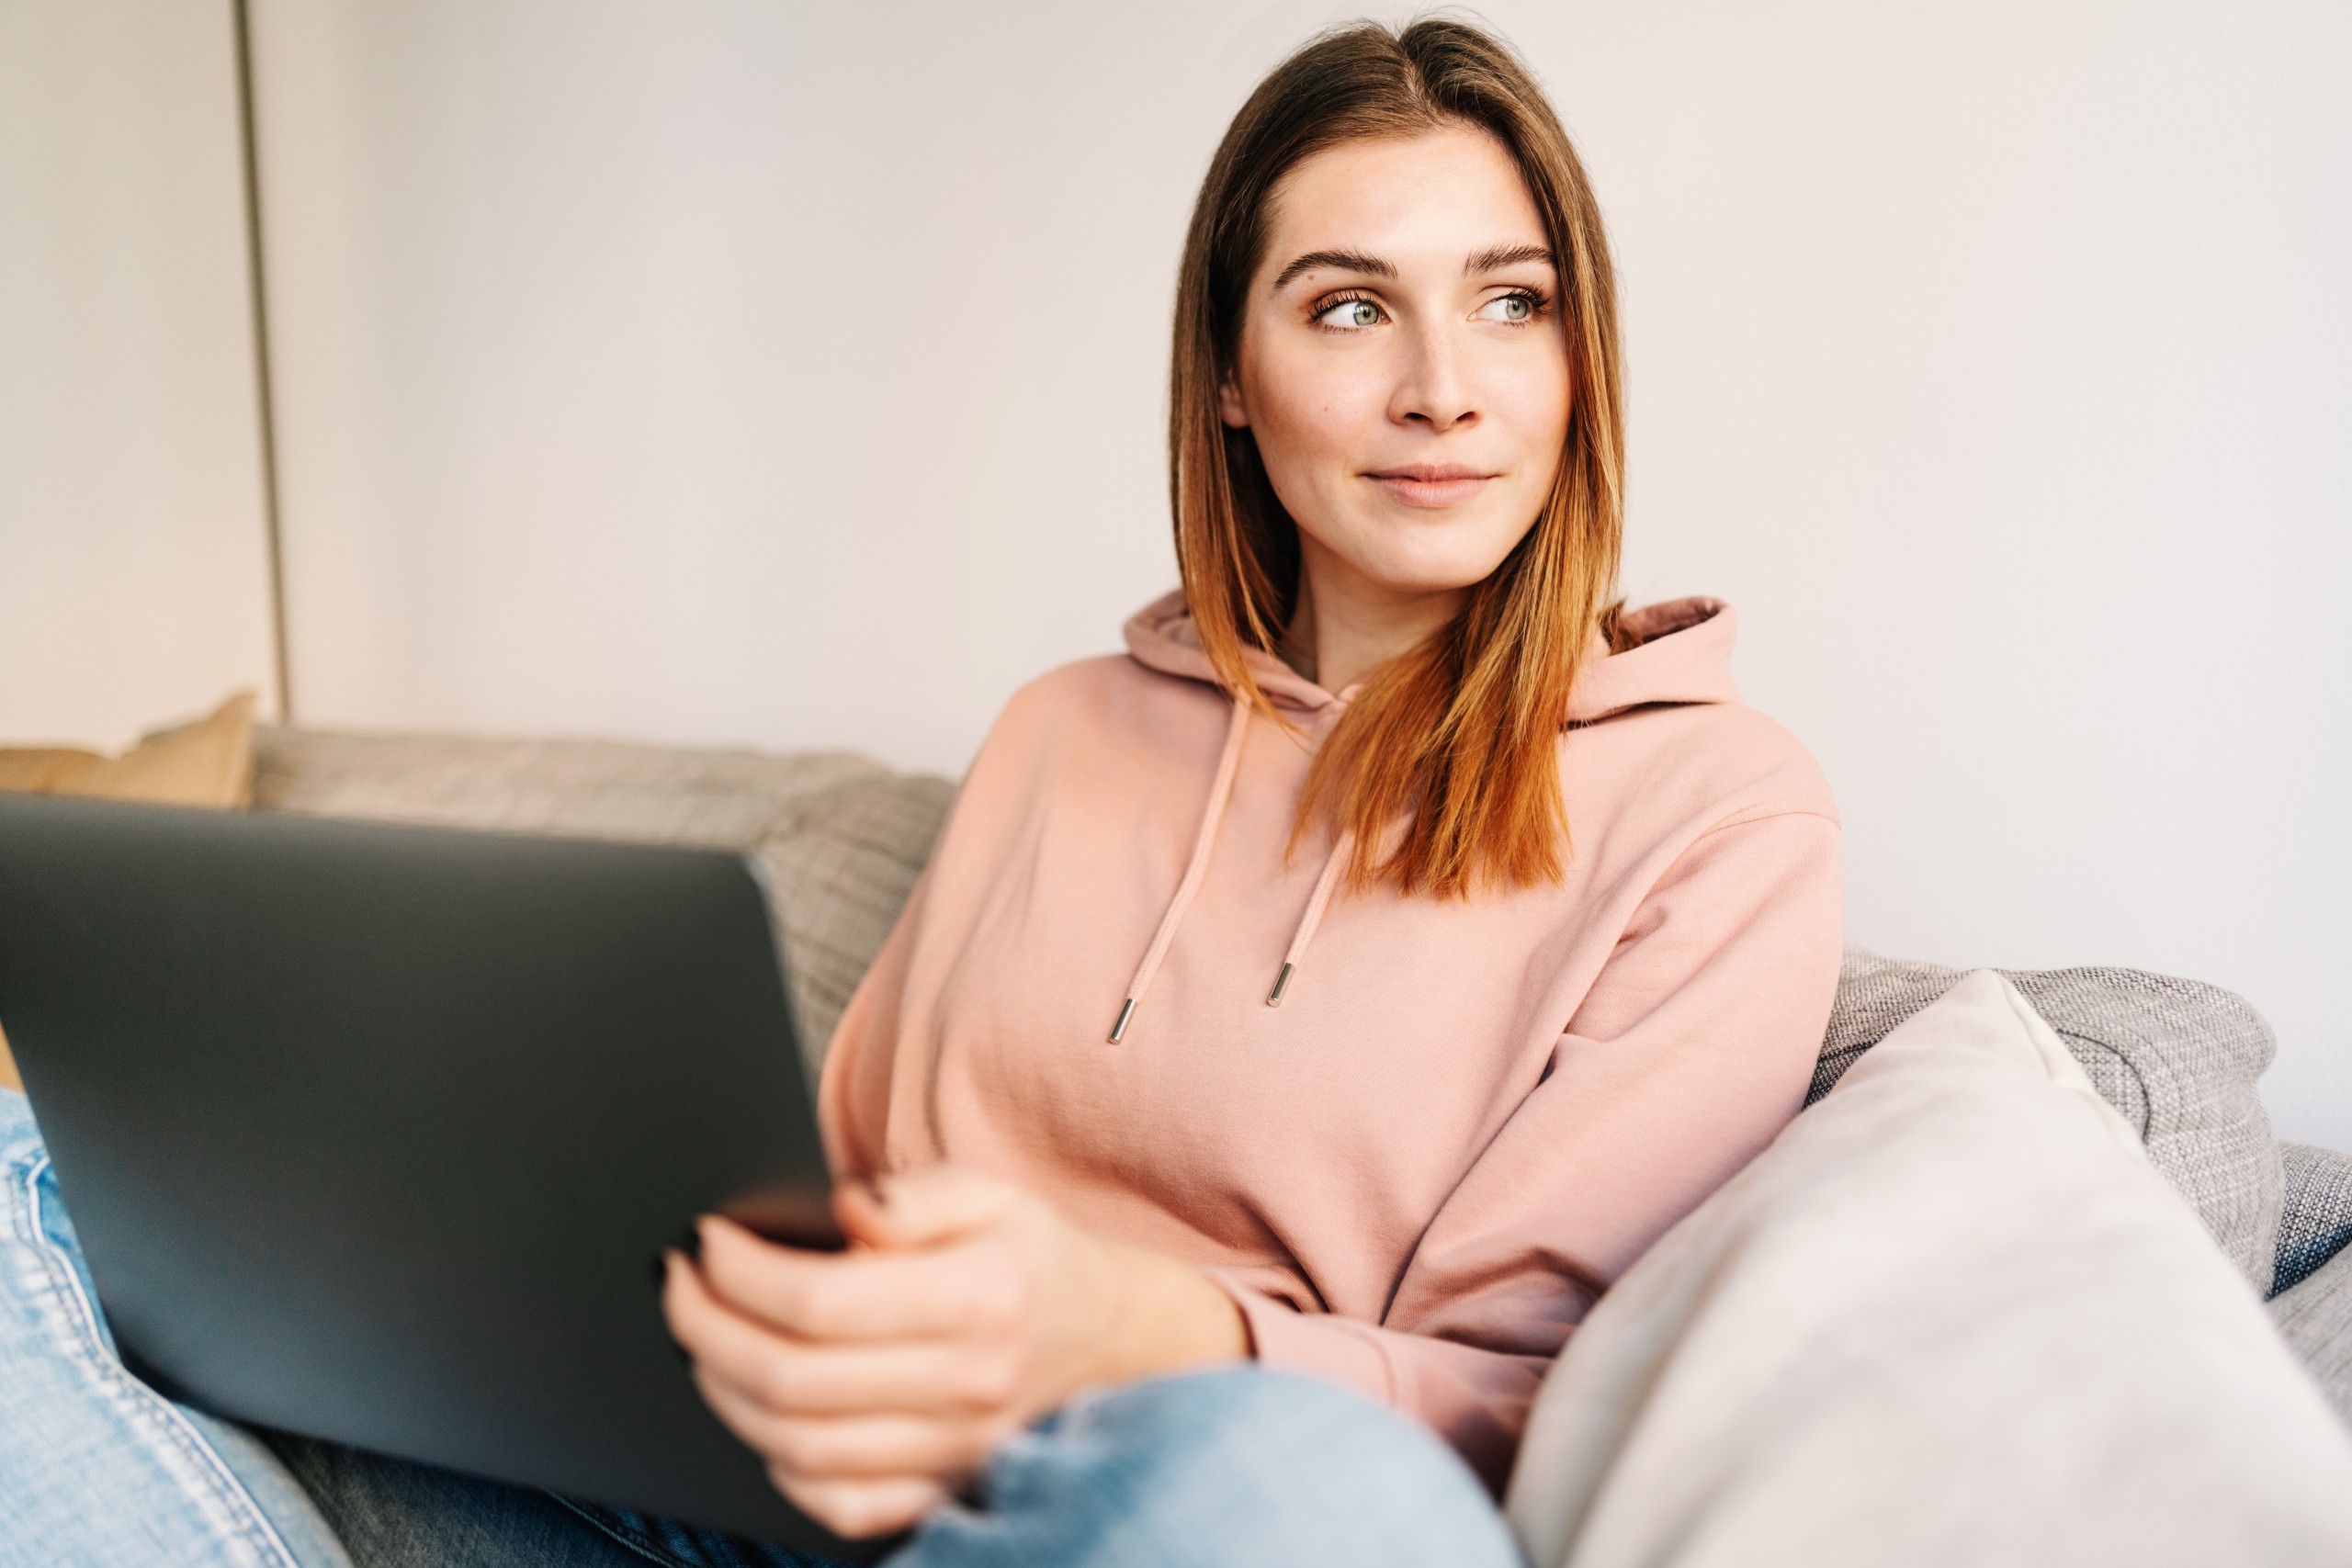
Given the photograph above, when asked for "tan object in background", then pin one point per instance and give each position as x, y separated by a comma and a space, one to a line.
208, 762
41, 770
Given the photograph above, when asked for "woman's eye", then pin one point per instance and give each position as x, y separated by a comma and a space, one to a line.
1512, 308
1349, 313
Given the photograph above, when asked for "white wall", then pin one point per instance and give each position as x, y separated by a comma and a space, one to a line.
1996, 360
133, 573
792, 374
722, 371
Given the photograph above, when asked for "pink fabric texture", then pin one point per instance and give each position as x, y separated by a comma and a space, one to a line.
1464, 1118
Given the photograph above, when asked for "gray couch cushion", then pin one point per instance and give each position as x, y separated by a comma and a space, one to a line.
2178, 1058
842, 869
842, 838
2315, 1217
593, 789
839, 839
2315, 1317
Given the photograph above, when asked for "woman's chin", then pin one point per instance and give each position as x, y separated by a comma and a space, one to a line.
1432, 556
1421, 580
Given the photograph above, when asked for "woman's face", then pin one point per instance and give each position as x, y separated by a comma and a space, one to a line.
1402, 364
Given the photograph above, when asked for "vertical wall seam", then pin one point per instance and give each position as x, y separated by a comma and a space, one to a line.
272, 532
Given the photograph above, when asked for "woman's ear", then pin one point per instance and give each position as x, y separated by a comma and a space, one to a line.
1229, 406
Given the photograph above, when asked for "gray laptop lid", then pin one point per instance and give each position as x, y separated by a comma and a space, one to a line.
376, 1132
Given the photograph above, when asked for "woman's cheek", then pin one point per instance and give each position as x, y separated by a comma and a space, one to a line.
1307, 445
1533, 397
1328, 404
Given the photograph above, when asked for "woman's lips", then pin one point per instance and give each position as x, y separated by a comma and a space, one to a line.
1431, 484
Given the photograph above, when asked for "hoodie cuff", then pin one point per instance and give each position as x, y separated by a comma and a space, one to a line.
1317, 1345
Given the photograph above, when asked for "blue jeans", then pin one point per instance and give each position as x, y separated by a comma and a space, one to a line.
1232, 1467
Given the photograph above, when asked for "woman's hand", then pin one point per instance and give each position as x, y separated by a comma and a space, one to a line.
873, 1380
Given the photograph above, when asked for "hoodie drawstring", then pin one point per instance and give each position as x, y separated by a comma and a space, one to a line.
1316, 904
1228, 768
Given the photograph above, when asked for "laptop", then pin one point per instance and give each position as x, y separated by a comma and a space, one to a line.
376, 1133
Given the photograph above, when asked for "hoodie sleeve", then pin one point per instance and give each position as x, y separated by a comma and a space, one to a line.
853, 1084
1691, 1050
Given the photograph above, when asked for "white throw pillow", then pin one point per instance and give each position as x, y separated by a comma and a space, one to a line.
1951, 1315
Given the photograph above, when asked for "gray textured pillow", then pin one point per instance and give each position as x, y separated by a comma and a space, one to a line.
2315, 1217
841, 870
591, 789
2178, 1058
2315, 1319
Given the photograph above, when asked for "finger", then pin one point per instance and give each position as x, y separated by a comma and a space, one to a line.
698, 1321
792, 1377
714, 1335
855, 1509
913, 1377
858, 1447
928, 1207
822, 1377
868, 1295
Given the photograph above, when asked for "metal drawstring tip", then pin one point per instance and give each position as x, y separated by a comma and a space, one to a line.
1120, 1028
1282, 984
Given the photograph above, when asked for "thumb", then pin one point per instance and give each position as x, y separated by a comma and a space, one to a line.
929, 1207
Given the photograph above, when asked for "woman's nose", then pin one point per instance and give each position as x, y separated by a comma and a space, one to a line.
1432, 390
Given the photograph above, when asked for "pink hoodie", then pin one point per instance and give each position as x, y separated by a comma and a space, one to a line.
1463, 1119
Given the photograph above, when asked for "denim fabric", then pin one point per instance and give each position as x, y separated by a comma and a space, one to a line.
97, 1470
1227, 1469
393, 1514
1236, 1468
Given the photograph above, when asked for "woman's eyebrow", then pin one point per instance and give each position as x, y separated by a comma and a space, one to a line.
1494, 258
1344, 261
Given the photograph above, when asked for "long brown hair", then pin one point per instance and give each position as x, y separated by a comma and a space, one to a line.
1457, 740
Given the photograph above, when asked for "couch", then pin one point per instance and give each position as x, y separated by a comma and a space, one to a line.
841, 839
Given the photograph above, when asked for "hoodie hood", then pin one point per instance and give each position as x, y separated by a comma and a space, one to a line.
1681, 653
1161, 637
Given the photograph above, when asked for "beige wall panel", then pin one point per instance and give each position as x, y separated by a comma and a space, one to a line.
793, 374
133, 571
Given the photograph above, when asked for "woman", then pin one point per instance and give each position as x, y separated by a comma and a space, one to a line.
1326, 1000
